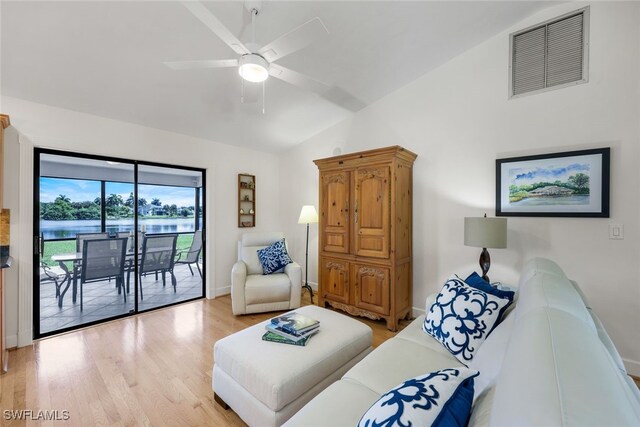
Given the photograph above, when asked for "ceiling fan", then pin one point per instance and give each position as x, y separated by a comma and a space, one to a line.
256, 64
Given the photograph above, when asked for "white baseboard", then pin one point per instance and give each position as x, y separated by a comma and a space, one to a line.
632, 367
25, 338
222, 291
417, 311
314, 286
11, 341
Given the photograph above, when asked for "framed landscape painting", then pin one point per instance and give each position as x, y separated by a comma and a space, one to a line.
569, 184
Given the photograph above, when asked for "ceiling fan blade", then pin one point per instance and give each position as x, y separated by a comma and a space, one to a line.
331, 93
297, 79
294, 40
214, 24
198, 65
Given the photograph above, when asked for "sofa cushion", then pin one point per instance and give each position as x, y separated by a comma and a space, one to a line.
440, 398
557, 372
274, 258
462, 317
266, 289
395, 360
608, 344
488, 359
330, 407
537, 266
553, 291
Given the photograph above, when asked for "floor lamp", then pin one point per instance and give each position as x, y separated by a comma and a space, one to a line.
308, 215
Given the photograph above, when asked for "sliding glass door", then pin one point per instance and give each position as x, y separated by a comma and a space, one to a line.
113, 237
169, 216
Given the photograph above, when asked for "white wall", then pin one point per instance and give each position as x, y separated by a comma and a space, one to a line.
458, 119
50, 127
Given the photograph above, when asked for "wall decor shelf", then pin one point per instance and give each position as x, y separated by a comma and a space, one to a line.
246, 200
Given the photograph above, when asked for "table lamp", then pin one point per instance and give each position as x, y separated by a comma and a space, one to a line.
485, 233
308, 215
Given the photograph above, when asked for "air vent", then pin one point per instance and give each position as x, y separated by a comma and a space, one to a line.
550, 55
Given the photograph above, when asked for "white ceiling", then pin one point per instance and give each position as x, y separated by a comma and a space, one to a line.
105, 58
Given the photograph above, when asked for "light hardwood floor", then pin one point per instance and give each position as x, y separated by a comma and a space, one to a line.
152, 369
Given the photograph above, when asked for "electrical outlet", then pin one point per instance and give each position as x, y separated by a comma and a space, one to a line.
616, 231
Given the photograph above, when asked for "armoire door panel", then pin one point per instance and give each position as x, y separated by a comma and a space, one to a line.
334, 276
371, 217
371, 288
334, 208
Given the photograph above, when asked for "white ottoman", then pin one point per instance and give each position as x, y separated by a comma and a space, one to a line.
266, 383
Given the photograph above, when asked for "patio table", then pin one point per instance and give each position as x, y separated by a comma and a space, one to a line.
74, 257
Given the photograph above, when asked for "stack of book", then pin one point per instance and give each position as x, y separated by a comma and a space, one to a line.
291, 328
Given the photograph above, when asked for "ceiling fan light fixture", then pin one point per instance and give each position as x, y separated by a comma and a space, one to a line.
253, 68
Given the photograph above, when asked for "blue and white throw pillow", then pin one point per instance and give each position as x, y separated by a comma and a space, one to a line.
441, 398
274, 258
462, 317
475, 281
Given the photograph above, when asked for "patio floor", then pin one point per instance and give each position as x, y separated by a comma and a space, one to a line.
101, 299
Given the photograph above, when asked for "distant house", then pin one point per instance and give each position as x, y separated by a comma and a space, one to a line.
151, 210
550, 191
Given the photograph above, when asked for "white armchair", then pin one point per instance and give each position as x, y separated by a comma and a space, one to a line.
254, 292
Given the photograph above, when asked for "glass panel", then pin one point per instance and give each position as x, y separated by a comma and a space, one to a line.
74, 288
119, 208
167, 201
69, 206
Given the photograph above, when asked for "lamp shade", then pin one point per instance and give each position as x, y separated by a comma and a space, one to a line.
485, 232
308, 215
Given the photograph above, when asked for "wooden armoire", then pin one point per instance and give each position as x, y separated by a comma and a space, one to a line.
365, 229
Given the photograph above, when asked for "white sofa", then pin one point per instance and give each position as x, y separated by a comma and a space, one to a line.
253, 292
549, 363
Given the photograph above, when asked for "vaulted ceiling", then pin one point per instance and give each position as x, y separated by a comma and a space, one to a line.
106, 58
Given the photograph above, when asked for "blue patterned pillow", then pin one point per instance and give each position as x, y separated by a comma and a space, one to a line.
441, 398
475, 281
274, 258
462, 317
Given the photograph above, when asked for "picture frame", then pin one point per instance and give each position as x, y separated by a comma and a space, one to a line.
566, 184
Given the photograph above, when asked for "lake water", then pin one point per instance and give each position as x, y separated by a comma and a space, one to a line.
548, 201
68, 229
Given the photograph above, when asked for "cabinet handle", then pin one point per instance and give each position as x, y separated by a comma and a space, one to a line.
355, 214
346, 210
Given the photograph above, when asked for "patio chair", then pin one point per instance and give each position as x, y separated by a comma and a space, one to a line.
123, 234
158, 256
55, 275
103, 259
80, 239
192, 256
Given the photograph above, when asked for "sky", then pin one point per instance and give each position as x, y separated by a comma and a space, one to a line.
81, 190
556, 172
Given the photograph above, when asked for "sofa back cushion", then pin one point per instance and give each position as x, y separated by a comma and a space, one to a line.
556, 372
539, 265
549, 287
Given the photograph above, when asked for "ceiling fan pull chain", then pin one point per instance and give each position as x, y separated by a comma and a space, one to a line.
241, 88
263, 97
254, 12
